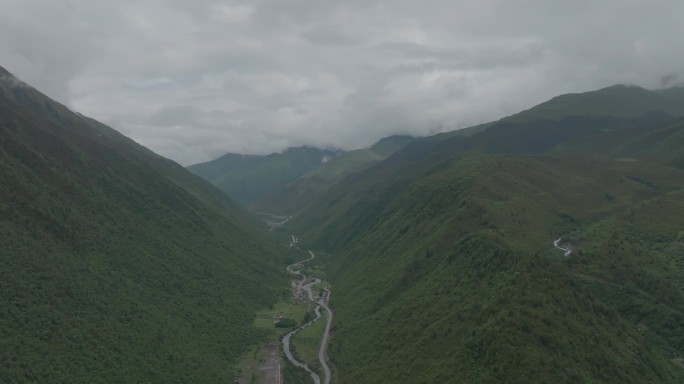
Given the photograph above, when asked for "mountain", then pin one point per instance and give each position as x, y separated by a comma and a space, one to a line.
284, 183
618, 101
248, 178
460, 264
626, 101
448, 255
297, 194
444, 263
661, 142
274, 184
116, 264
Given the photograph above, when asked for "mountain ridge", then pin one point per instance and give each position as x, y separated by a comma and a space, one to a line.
248, 178
300, 192
446, 248
118, 264
611, 108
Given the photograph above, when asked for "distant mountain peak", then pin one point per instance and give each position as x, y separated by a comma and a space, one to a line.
307, 148
620, 100
249, 178
607, 91
621, 86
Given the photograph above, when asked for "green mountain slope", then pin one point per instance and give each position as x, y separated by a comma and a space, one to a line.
660, 142
117, 265
249, 178
618, 101
444, 267
296, 195
451, 276
289, 189
626, 101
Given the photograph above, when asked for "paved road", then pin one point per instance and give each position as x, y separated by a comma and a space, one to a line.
324, 341
321, 302
566, 251
289, 267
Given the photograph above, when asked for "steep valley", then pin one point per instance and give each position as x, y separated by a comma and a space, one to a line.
542, 247
444, 267
466, 286
118, 265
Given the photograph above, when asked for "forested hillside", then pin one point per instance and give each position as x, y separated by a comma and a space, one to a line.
250, 178
117, 265
342, 192
444, 266
299, 193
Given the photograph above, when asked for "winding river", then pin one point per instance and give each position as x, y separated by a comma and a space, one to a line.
321, 302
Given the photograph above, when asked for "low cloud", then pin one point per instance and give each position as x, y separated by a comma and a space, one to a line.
13, 82
193, 80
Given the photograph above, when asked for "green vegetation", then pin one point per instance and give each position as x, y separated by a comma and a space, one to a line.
466, 286
624, 101
444, 265
659, 143
249, 178
284, 183
248, 367
287, 309
118, 265
295, 375
308, 341
285, 323
299, 193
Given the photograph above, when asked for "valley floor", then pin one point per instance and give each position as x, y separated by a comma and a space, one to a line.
302, 344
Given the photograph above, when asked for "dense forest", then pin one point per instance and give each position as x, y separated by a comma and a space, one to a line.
444, 261
118, 265
542, 247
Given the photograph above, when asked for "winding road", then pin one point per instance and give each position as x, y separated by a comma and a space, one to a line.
321, 302
566, 251
324, 341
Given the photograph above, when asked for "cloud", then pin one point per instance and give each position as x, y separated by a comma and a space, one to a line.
12, 81
193, 80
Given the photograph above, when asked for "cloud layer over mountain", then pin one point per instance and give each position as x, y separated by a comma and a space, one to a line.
193, 80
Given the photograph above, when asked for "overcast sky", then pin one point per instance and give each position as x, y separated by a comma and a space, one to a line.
193, 80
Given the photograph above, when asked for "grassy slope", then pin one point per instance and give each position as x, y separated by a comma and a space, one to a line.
117, 265
465, 286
